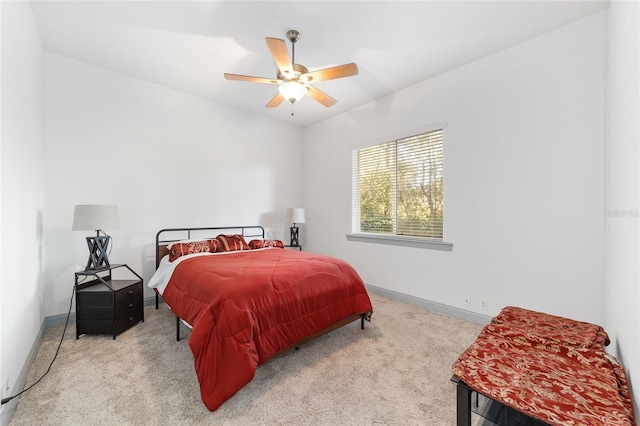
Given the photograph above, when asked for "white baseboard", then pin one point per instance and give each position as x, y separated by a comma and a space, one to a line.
432, 306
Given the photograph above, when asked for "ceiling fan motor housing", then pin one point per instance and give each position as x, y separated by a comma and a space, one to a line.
298, 70
293, 36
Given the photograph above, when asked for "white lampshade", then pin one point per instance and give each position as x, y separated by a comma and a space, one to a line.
292, 90
95, 217
295, 215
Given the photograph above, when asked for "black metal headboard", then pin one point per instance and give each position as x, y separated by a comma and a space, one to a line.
164, 237
167, 236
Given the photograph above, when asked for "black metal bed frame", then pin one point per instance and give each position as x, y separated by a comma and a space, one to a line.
172, 235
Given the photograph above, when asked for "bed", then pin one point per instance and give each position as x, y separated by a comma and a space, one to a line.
532, 368
249, 299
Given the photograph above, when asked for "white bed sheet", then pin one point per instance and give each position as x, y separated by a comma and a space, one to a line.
161, 277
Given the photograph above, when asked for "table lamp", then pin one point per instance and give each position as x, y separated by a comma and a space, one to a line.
96, 217
295, 215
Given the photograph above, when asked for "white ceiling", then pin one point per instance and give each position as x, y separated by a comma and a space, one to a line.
188, 45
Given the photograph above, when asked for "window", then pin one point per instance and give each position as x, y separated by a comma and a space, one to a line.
398, 187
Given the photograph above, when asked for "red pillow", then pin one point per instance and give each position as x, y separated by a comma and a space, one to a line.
256, 244
232, 242
190, 247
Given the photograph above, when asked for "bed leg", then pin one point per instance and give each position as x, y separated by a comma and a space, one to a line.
362, 322
156, 300
177, 329
463, 405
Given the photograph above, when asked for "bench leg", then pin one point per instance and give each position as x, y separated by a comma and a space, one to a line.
463, 405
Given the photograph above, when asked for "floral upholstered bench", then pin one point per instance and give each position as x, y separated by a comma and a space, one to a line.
550, 369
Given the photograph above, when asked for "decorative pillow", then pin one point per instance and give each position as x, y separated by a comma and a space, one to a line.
232, 242
256, 244
190, 247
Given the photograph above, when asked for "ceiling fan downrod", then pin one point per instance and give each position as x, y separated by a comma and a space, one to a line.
293, 36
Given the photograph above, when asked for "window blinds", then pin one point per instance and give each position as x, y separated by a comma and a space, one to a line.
398, 187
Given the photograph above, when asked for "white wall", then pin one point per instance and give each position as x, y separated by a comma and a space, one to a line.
523, 179
166, 159
622, 188
21, 194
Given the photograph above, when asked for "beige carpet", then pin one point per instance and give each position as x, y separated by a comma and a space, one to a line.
396, 371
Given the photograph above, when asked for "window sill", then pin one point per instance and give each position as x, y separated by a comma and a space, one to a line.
399, 240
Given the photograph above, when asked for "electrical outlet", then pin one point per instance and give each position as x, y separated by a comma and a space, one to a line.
467, 300
484, 304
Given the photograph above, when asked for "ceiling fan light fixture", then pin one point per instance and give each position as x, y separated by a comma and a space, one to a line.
292, 91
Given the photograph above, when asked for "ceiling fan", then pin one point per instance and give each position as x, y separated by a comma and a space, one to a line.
294, 79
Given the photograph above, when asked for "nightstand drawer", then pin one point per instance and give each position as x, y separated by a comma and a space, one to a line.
110, 326
100, 294
106, 313
94, 313
129, 305
96, 295
128, 320
94, 327
126, 290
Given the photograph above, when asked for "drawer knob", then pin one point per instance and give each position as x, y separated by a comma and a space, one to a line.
130, 319
130, 305
130, 291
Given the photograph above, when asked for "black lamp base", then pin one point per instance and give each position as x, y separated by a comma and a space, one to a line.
98, 252
295, 242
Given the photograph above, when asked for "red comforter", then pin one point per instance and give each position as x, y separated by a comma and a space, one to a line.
245, 306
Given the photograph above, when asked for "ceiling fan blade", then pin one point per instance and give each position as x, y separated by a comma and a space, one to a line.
280, 54
346, 70
321, 97
251, 79
275, 101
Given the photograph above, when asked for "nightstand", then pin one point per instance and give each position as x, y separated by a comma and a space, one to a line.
105, 305
293, 247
